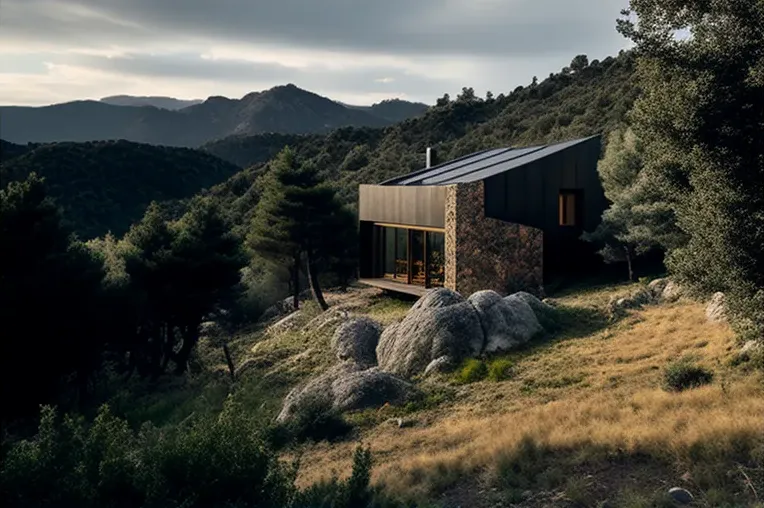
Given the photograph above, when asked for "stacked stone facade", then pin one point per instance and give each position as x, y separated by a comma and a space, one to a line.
484, 253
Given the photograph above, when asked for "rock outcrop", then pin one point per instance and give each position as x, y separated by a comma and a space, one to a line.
665, 290
439, 331
345, 387
356, 340
716, 310
443, 328
507, 322
441, 323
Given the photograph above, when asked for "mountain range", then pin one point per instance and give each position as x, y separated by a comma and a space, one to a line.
283, 109
106, 186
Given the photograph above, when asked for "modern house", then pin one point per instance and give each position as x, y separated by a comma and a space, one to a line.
506, 219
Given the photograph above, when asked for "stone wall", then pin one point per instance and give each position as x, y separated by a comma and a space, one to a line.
484, 253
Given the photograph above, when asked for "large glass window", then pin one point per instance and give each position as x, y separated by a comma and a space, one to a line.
436, 258
388, 237
418, 272
413, 256
401, 254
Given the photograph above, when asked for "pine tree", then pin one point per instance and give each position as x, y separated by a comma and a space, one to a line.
637, 220
179, 273
701, 117
298, 216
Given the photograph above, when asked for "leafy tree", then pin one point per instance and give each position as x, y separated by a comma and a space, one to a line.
443, 101
298, 215
49, 300
637, 221
701, 119
579, 63
467, 95
179, 273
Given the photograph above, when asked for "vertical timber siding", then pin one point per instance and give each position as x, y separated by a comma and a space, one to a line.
411, 206
486, 253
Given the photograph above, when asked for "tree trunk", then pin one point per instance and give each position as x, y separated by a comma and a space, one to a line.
169, 346
315, 287
296, 283
190, 338
628, 264
229, 361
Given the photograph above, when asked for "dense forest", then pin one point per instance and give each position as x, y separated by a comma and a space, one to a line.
105, 186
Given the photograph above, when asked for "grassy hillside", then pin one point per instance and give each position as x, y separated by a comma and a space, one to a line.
578, 419
106, 186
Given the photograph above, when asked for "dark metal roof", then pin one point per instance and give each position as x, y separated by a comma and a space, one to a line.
481, 165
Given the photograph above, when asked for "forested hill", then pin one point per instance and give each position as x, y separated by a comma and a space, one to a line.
107, 185
283, 109
581, 100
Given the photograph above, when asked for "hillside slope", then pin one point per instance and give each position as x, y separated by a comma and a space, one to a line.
107, 185
564, 106
578, 419
284, 109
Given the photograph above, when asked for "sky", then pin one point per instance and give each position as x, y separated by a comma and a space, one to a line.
354, 51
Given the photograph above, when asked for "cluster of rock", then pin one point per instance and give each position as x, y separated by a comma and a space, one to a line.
439, 331
443, 328
355, 382
657, 291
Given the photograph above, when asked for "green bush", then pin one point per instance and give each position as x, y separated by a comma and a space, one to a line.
500, 370
684, 374
471, 371
315, 421
210, 462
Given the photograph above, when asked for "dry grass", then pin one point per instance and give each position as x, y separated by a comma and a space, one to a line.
588, 396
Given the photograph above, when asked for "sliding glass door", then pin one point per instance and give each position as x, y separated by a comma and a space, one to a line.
412, 255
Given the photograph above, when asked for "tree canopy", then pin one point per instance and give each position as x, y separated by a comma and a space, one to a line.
701, 119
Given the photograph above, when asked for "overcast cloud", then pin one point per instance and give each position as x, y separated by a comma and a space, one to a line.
357, 51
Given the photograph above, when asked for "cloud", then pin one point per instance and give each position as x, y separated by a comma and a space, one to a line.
354, 47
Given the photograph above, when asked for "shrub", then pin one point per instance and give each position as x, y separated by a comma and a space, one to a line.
471, 371
211, 462
683, 374
316, 420
500, 370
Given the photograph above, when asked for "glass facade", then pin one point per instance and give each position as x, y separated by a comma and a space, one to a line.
412, 256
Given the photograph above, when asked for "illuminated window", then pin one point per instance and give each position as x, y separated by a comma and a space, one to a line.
568, 208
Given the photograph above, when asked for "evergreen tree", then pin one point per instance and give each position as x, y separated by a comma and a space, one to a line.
179, 273
701, 117
637, 220
299, 215
579, 63
49, 297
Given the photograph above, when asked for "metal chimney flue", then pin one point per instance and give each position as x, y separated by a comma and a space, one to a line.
431, 159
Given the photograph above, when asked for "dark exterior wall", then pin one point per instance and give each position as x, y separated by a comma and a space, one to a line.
486, 253
369, 245
412, 206
529, 195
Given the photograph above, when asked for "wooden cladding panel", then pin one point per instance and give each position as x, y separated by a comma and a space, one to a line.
414, 205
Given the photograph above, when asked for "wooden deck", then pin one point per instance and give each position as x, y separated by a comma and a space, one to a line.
398, 287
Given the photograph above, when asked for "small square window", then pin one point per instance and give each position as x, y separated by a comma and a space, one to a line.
569, 206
